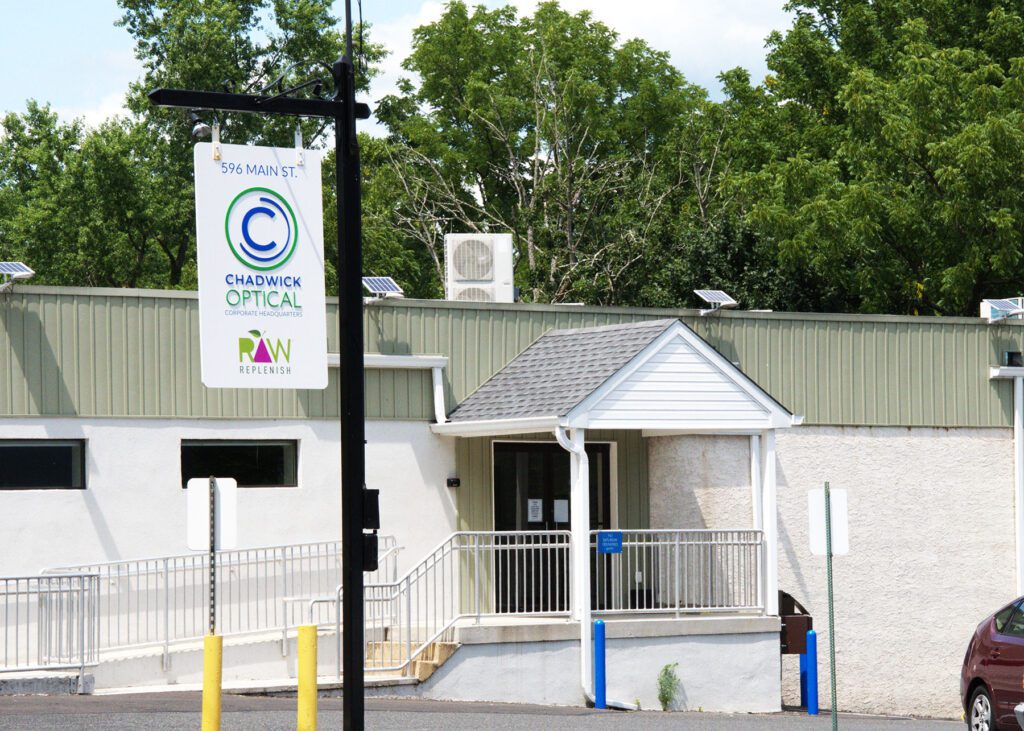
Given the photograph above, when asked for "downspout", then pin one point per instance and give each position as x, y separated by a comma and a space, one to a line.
439, 415
580, 525
1018, 476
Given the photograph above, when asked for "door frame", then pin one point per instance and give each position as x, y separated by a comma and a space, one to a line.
613, 476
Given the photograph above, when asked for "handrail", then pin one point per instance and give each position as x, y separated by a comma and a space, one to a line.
385, 543
49, 623
469, 574
161, 600
681, 571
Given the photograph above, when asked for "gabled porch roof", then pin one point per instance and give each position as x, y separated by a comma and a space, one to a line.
658, 376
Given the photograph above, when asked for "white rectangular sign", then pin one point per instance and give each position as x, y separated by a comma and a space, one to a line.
260, 245
226, 527
840, 521
534, 511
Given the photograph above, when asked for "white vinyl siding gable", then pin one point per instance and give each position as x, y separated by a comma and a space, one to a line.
679, 385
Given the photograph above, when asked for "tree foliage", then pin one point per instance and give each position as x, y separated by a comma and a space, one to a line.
875, 169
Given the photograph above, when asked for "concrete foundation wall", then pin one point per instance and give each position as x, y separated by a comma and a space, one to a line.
134, 507
729, 673
931, 546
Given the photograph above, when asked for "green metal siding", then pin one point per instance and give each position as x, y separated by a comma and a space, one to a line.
475, 494
80, 352
120, 354
833, 369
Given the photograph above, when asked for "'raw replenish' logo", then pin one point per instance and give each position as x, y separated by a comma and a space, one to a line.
261, 229
259, 354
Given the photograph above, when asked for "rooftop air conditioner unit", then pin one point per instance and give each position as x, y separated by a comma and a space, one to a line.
478, 268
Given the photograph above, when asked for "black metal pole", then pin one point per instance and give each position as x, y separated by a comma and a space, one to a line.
350, 334
213, 555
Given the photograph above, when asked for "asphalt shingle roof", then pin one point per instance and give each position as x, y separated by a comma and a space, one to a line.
556, 372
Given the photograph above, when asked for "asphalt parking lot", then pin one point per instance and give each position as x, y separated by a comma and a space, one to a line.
174, 711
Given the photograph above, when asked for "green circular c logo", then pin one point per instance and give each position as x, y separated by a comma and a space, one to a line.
261, 228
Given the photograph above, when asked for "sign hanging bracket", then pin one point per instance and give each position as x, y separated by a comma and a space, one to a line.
300, 156
215, 139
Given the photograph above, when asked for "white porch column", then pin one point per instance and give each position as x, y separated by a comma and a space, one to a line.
1018, 476
756, 486
579, 522
770, 516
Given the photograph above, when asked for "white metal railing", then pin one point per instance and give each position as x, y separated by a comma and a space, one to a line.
322, 609
680, 571
157, 601
49, 622
471, 574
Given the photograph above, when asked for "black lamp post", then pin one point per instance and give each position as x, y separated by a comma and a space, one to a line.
359, 509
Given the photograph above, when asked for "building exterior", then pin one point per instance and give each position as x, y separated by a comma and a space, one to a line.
907, 414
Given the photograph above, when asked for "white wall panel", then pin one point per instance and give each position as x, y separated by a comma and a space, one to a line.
676, 385
134, 507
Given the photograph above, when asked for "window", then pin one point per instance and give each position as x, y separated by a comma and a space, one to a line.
1015, 626
1003, 617
42, 464
252, 463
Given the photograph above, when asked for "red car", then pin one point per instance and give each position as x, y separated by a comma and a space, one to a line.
992, 679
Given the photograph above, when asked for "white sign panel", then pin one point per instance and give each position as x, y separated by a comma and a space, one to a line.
534, 511
561, 511
199, 513
259, 236
840, 521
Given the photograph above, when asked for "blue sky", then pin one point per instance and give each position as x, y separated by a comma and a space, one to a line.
70, 54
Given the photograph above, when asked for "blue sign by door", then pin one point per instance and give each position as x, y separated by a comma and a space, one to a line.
609, 541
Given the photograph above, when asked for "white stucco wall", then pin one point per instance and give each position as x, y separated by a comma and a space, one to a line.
410, 467
931, 546
722, 673
134, 506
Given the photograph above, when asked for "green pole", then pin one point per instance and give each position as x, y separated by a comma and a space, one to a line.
831, 613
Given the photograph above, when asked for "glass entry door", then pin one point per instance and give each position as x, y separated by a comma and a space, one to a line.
532, 493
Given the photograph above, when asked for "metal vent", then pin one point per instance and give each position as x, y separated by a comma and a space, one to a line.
473, 259
475, 294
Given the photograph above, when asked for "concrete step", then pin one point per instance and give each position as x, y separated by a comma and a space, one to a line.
380, 682
46, 682
432, 658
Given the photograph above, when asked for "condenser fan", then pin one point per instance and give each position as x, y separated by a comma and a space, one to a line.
474, 294
473, 260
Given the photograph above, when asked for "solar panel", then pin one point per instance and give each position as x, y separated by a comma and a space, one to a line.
1003, 305
715, 297
382, 286
15, 270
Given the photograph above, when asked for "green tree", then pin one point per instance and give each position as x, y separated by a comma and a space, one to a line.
545, 126
903, 195
77, 203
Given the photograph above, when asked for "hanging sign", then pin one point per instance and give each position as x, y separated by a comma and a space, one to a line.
259, 239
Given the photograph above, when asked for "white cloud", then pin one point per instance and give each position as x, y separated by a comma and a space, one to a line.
95, 114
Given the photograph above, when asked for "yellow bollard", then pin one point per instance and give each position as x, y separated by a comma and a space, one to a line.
213, 646
307, 678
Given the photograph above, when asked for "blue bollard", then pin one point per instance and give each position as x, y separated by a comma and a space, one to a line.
803, 680
599, 677
812, 673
